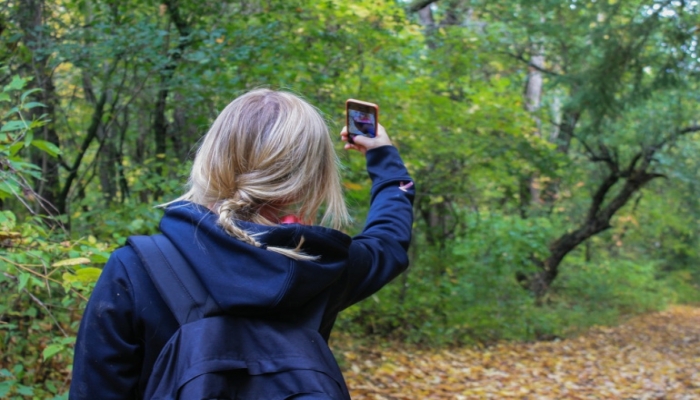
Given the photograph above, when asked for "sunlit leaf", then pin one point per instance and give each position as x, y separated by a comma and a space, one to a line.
83, 275
51, 350
48, 147
71, 261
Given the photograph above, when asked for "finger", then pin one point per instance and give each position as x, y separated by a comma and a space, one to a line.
344, 134
349, 146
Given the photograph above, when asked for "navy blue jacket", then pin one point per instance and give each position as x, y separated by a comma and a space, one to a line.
126, 323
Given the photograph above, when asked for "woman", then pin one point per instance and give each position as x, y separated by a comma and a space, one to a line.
247, 228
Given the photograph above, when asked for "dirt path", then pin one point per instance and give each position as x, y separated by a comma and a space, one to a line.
656, 356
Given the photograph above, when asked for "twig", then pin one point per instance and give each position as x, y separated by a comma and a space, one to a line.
42, 305
46, 277
530, 63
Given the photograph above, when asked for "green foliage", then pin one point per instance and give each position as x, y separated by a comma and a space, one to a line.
685, 286
618, 287
41, 302
17, 132
45, 277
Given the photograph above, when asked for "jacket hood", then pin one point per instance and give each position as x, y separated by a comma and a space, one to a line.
246, 280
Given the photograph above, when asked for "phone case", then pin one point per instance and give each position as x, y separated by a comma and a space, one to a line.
364, 107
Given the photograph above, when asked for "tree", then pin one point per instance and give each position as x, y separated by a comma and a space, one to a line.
616, 64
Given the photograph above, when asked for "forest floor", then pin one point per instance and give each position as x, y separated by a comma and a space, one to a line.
653, 356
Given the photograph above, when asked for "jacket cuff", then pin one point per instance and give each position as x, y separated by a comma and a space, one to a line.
385, 163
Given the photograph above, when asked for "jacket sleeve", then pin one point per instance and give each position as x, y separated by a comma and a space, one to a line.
108, 353
379, 253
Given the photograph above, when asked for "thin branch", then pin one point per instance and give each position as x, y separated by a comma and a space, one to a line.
595, 157
39, 303
46, 277
529, 63
689, 129
42, 305
599, 196
632, 185
113, 112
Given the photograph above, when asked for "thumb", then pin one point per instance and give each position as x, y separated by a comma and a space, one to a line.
363, 141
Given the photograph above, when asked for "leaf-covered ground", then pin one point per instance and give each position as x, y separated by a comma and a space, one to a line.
655, 356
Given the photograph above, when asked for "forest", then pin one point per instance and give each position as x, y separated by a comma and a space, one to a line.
554, 144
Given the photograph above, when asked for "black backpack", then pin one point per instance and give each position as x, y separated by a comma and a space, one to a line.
218, 356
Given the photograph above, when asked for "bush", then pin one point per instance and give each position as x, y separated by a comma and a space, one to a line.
467, 292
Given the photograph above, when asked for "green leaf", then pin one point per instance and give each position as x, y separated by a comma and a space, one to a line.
4, 96
99, 258
18, 369
16, 84
5, 387
83, 275
25, 390
8, 189
11, 111
51, 350
15, 148
28, 137
31, 312
27, 93
23, 280
24, 167
14, 126
51, 387
48, 147
7, 222
32, 104
67, 340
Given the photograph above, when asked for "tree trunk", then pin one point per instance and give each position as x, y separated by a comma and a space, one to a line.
160, 125
529, 185
533, 87
108, 170
31, 21
62, 200
597, 220
425, 15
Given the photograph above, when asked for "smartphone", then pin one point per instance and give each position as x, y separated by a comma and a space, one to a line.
361, 118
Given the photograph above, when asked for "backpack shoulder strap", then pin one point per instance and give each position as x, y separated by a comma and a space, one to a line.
175, 280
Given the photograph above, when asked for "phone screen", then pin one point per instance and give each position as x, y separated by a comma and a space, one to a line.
362, 119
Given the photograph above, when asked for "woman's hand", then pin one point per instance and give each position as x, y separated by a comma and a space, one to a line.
364, 143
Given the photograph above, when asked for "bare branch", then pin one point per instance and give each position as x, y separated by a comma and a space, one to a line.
689, 129
599, 196
603, 156
531, 64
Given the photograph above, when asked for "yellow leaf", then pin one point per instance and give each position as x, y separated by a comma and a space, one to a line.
83, 275
9, 235
71, 261
352, 186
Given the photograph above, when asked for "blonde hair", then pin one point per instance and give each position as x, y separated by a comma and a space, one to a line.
268, 151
